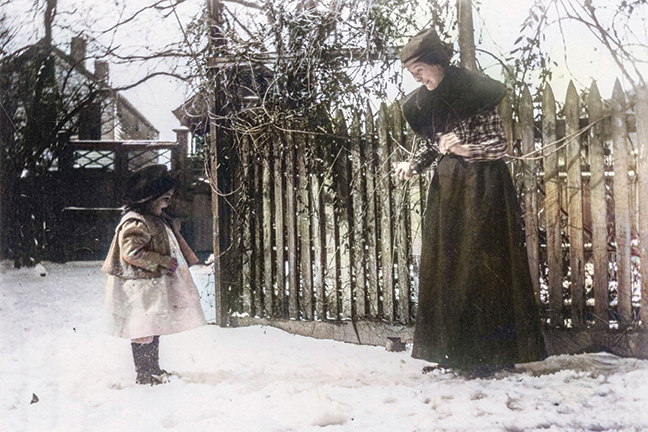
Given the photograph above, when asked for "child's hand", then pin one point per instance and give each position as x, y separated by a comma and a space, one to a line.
171, 265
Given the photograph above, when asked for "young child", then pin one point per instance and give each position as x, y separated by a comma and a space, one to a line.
150, 291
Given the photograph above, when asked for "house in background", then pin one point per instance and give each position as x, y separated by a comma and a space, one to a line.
78, 198
111, 118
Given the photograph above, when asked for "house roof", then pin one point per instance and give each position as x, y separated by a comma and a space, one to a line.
120, 97
81, 69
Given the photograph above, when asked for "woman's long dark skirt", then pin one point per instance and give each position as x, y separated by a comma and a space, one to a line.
476, 300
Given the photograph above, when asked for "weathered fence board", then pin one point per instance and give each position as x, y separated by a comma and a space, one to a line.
371, 216
575, 206
344, 225
305, 234
552, 209
268, 253
279, 226
291, 229
641, 107
598, 181
318, 231
530, 187
248, 278
622, 228
384, 188
402, 241
257, 238
358, 227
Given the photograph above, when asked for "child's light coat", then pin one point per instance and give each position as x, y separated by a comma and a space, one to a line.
142, 297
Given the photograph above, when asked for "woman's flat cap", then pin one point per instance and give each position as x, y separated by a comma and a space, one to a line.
426, 47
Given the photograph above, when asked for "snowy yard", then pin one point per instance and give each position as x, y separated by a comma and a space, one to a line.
53, 346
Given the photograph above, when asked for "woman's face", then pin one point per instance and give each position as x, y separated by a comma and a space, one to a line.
429, 75
157, 205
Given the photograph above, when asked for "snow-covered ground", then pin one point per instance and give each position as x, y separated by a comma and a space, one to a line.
53, 349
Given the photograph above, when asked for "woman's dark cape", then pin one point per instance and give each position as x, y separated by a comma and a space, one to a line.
476, 302
460, 95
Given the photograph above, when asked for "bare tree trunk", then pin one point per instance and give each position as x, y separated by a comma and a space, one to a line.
466, 35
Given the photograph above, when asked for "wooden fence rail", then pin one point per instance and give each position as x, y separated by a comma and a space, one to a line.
338, 240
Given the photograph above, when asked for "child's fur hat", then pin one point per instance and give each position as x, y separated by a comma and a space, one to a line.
148, 183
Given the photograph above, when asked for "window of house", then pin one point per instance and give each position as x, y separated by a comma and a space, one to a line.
88, 159
140, 158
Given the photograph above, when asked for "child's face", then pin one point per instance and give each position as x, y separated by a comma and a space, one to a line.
157, 205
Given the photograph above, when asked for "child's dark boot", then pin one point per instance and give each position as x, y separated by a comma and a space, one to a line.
146, 358
158, 374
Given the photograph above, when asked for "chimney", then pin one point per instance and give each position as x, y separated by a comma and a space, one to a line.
78, 50
102, 71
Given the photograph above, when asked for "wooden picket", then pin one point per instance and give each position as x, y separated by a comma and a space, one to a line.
598, 181
641, 107
333, 237
622, 228
530, 182
552, 207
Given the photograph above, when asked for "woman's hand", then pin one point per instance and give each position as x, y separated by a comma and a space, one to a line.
450, 143
403, 170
